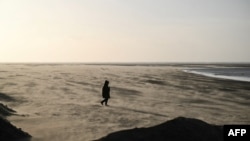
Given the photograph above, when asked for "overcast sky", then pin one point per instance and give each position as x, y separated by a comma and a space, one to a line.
124, 31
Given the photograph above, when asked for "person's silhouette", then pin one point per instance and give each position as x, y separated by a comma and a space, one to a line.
105, 93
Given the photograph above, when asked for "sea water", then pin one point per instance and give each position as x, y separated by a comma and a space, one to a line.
239, 74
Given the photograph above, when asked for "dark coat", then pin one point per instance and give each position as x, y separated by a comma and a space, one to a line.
105, 91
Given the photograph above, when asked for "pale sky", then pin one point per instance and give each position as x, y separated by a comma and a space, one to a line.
124, 31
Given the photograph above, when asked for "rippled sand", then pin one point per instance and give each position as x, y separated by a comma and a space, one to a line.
62, 102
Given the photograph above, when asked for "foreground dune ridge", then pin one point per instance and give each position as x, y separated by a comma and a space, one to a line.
178, 129
9, 132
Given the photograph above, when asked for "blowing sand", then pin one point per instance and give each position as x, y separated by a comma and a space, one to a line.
62, 102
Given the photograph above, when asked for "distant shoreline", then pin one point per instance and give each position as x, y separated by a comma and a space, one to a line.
230, 73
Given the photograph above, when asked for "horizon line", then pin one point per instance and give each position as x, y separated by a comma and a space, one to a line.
139, 62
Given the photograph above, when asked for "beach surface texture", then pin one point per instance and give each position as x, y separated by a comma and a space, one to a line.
56, 102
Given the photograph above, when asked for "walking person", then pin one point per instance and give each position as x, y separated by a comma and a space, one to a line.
105, 93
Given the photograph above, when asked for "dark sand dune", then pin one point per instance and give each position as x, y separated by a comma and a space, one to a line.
5, 97
6, 111
9, 132
178, 129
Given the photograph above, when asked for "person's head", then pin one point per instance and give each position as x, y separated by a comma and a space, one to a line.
106, 82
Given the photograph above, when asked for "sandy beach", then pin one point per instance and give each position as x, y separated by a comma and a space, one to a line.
62, 102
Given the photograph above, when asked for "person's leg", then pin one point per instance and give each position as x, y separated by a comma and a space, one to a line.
102, 101
106, 101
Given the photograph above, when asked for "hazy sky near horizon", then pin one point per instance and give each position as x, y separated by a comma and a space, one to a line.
124, 30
